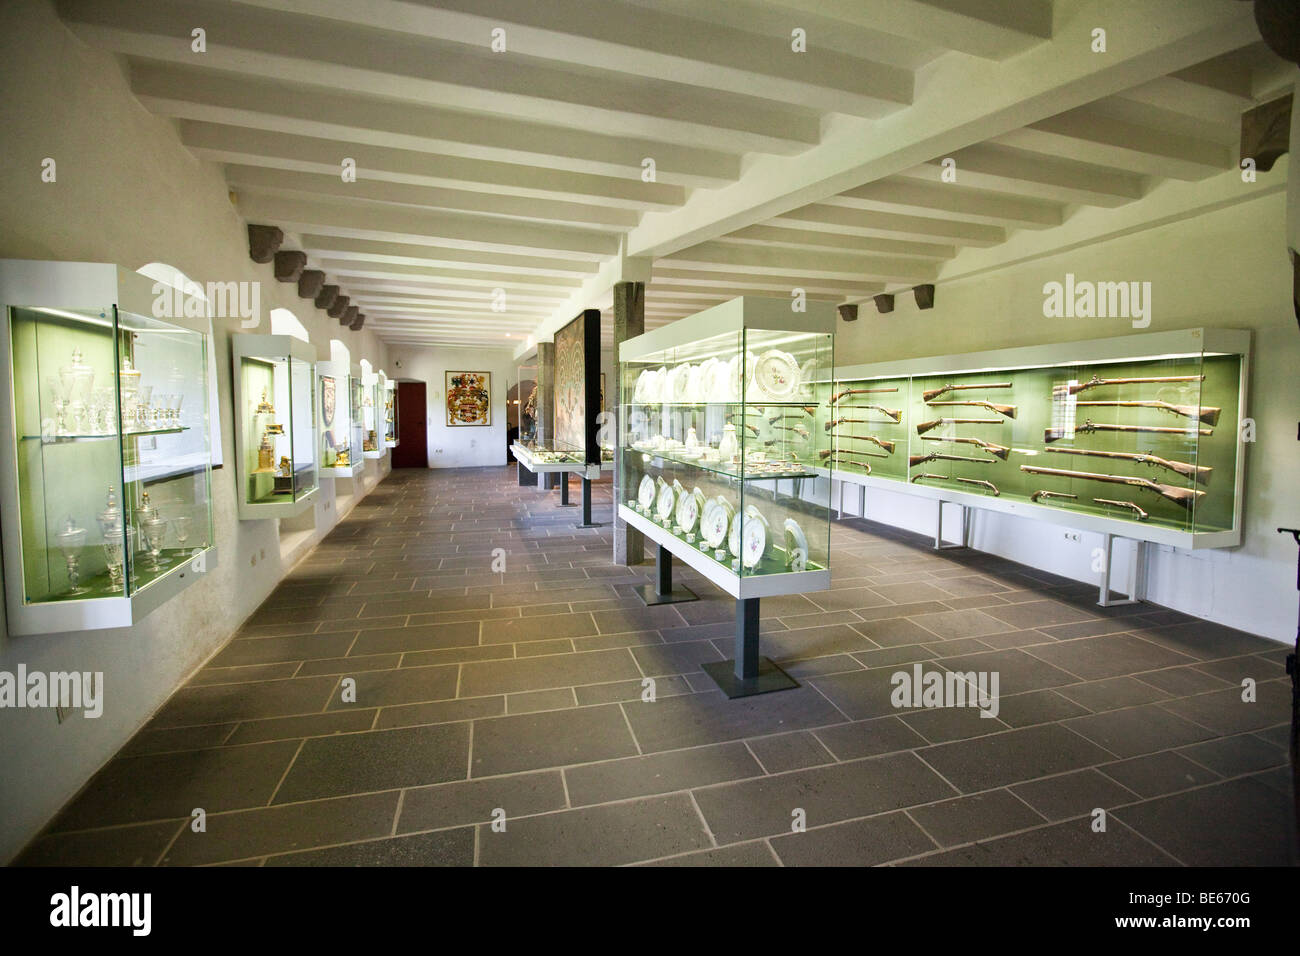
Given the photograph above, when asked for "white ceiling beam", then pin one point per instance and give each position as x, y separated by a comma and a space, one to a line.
435, 255
284, 182
813, 264
302, 51
1091, 137
645, 43
901, 195
964, 102
862, 222
380, 274
1035, 175
993, 29
313, 154
819, 238
277, 107
394, 223
779, 284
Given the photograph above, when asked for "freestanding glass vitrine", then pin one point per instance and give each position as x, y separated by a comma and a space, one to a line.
106, 476
719, 442
275, 416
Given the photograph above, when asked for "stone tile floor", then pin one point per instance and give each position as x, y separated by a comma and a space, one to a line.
472, 693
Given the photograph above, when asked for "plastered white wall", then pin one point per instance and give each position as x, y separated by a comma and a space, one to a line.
459, 446
126, 192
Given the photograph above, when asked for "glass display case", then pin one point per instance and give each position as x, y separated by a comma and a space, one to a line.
275, 415
339, 457
390, 413
107, 476
719, 431
1138, 435
372, 404
542, 457
356, 412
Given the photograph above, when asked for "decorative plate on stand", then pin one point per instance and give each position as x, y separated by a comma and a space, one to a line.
796, 546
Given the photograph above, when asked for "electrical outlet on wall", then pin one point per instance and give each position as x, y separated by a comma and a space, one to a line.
1072, 536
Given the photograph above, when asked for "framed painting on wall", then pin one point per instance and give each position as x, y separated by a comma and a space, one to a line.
469, 398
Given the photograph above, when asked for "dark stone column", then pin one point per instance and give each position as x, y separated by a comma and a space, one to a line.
546, 405
629, 322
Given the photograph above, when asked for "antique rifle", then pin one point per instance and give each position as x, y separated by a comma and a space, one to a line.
915, 460
1000, 450
895, 415
1055, 434
1050, 494
1202, 413
969, 481
924, 427
934, 393
827, 453
1180, 496
752, 428
797, 429
848, 458
1200, 472
884, 443
1007, 410
1141, 515
1096, 382
859, 391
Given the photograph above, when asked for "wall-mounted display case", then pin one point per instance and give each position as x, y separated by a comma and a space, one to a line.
372, 406
718, 424
339, 457
390, 413
1138, 436
275, 416
106, 478
356, 412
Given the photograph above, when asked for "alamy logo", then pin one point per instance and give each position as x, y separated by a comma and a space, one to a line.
75, 908
227, 300
916, 688
76, 690
1085, 299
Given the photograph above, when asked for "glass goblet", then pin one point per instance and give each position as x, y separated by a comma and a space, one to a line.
143, 397
183, 526
71, 538
153, 531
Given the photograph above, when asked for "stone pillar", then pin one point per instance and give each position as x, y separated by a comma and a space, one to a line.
546, 405
629, 322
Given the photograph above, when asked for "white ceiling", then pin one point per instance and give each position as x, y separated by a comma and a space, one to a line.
522, 170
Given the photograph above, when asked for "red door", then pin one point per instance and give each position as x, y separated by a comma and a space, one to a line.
412, 449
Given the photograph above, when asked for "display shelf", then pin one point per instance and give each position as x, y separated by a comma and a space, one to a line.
774, 581
275, 418
550, 458
662, 460
1044, 452
106, 488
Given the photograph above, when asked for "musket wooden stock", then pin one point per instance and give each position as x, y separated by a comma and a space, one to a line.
914, 460
1002, 451
1202, 413
1007, 410
859, 391
884, 443
1179, 496
1096, 382
934, 393
1200, 472
924, 427
1056, 434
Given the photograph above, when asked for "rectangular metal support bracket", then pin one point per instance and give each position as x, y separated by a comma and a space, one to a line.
1136, 585
939, 543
